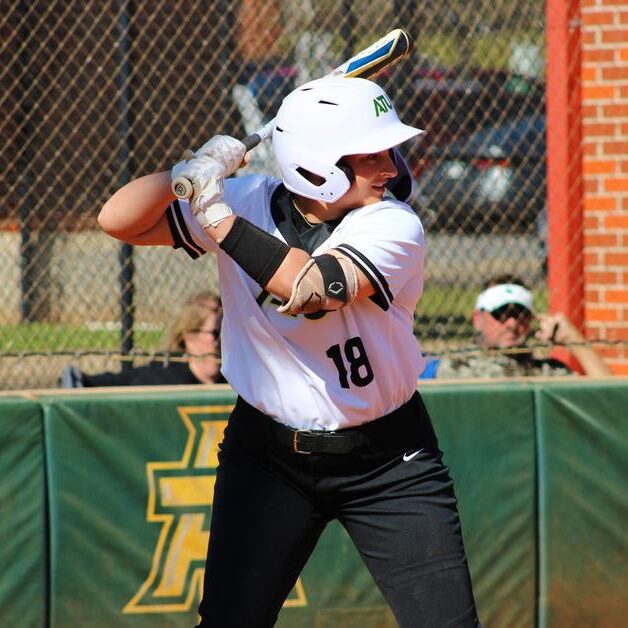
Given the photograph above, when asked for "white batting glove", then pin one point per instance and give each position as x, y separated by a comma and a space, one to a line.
207, 178
213, 215
226, 150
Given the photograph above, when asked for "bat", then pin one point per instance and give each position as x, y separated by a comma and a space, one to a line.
367, 63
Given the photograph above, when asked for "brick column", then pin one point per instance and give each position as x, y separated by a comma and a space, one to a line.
605, 172
587, 119
564, 165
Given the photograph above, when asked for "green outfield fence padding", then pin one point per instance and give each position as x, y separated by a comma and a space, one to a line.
583, 506
336, 588
23, 534
131, 478
487, 435
108, 508
115, 459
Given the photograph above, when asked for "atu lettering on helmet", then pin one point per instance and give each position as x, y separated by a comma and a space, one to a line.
382, 105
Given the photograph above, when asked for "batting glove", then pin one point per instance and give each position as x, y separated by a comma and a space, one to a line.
207, 178
226, 150
401, 186
213, 215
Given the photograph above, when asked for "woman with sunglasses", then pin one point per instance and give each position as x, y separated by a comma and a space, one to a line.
502, 319
194, 333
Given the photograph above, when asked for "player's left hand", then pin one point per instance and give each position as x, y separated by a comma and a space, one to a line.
227, 151
207, 178
213, 215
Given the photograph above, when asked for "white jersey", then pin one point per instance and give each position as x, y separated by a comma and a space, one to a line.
333, 369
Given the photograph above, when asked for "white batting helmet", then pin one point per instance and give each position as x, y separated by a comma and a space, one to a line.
324, 120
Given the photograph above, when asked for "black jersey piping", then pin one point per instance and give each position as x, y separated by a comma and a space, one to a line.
180, 233
186, 236
261, 297
383, 296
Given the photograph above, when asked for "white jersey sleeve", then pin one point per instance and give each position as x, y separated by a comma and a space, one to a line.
386, 241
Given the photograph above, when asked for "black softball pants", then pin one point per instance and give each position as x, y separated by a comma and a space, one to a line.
271, 505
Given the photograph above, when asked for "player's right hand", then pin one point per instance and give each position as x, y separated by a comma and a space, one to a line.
227, 151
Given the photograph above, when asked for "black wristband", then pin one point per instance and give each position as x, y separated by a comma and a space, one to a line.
258, 253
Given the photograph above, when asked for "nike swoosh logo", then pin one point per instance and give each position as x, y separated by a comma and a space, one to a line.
408, 457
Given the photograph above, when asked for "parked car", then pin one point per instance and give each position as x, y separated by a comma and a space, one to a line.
480, 166
257, 96
493, 180
452, 102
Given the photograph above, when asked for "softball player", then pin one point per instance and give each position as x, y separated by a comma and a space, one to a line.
320, 274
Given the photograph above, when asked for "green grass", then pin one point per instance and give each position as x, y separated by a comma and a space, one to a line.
446, 301
48, 337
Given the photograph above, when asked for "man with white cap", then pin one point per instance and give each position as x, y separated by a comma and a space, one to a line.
502, 319
320, 274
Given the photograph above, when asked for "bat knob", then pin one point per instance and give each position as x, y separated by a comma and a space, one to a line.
182, 188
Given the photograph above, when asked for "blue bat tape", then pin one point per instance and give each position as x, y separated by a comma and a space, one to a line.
358, 63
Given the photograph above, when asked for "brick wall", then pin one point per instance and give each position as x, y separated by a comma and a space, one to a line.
604, 110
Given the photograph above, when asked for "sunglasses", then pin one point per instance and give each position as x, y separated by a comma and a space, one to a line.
511, 310
214, 332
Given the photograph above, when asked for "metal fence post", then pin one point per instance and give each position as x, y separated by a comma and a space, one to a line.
28, 244
348, 29
125, 132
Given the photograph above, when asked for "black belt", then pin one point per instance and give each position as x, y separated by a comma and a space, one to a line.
408, 427
319, 442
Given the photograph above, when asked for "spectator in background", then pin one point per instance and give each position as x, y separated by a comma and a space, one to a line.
195, 332
502, 319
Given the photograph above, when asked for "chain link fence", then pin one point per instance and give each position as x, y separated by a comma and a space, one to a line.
95, 94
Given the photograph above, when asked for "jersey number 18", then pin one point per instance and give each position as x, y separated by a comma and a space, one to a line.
360, 370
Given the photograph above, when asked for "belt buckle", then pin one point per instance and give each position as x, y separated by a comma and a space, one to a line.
295, 442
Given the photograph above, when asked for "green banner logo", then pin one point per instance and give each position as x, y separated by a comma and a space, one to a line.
179, 499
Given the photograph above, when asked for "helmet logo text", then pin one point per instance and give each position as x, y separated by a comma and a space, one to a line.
382, 105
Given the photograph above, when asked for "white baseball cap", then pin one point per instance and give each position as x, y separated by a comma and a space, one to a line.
504, 294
